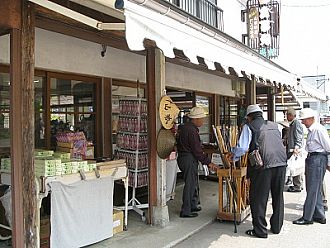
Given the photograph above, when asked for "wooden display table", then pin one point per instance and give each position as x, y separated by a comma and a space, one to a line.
226, 211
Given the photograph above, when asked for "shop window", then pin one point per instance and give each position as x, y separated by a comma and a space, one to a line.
39, 110
205, 130
72, 108
230, 113
5, 111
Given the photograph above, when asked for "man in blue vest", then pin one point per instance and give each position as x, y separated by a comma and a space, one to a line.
266, 137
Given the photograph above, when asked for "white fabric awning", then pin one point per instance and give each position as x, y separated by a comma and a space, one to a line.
309, 91
143, 23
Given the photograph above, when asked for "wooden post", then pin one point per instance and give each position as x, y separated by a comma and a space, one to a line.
251, 91
106, 117
152, 134
22, 130
270, 104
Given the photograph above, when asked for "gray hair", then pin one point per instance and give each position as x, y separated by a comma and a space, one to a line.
291, 111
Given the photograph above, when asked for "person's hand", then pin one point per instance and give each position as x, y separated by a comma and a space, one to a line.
212, 166
296, 151
229, 156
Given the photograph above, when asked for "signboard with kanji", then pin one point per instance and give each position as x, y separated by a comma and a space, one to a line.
168, 112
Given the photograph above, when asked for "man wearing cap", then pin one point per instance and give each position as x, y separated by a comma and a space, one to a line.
270, 177
189, 153
316, 163
294, 145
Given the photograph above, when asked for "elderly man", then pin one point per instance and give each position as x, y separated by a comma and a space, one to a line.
189, 153
294, 145
264, 136
317, 161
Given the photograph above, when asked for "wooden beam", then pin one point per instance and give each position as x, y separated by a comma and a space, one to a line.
114, 39
10, 17
152, 133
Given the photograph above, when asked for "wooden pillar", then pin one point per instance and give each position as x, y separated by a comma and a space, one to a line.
157, 174
152, 133
22, 130
106, 117
270, 104
251, 88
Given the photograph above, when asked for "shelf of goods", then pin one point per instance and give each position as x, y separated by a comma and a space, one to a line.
132, 145
233, 184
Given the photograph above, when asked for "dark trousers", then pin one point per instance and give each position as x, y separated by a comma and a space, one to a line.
263, 181
189, 166
314, 171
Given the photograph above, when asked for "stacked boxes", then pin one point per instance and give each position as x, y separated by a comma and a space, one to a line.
49, 163
39, 153
47, 167
62, 155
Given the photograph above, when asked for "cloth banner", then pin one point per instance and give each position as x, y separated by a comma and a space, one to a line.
81, 213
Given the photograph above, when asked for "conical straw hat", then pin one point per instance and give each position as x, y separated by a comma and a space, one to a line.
165, 143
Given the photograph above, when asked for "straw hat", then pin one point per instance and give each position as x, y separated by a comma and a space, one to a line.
165, 143
252, 109
197, 112
306, 113
168, 112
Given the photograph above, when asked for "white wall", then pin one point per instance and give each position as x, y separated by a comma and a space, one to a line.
232, 17
57, 52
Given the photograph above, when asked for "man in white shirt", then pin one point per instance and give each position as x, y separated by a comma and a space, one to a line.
316, 164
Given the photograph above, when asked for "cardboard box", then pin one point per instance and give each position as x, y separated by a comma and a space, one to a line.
118, 221
65, 144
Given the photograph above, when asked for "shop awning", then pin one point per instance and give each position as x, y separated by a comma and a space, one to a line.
143, 23
307, 90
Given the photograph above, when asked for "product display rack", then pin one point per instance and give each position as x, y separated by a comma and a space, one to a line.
132, 145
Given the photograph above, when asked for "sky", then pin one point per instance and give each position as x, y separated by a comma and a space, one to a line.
305, 37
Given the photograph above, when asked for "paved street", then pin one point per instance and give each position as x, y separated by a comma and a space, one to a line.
292, 236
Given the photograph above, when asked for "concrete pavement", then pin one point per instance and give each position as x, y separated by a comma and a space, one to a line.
292, 236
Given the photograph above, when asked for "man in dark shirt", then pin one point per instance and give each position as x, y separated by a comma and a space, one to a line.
189, 153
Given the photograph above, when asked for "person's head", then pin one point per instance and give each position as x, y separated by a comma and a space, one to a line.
197, 116
307, 116
290, 114
252, 112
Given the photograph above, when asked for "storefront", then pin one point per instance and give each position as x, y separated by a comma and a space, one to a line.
78, 75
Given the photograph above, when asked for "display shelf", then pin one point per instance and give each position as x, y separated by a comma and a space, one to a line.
132, 145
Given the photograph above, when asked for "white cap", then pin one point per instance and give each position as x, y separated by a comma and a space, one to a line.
306, 113
252, 109
197, 112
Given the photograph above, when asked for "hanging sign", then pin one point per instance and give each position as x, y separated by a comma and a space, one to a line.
168, 112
